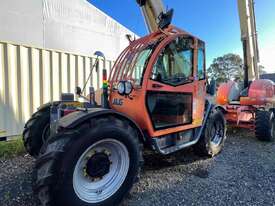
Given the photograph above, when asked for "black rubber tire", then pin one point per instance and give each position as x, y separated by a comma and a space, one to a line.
265, 126
54, 168
204, 147
37, 131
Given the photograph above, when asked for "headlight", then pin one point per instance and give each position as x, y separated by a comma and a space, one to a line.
128, 87
121, 87
124, 87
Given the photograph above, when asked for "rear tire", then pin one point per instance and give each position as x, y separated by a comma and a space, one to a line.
64, 175
265, 126
213, 135
37, 131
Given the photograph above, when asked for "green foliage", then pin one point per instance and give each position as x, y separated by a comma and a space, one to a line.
11, 148
226, 67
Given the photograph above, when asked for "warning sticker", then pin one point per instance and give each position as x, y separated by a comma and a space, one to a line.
197, 121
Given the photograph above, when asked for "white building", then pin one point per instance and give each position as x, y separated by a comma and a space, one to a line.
70, 25
45, 49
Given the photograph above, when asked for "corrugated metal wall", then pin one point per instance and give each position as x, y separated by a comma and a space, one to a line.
32, 76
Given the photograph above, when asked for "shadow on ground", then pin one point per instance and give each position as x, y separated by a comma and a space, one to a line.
243, 174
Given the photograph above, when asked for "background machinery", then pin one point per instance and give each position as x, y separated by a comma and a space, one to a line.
155, 97
251, 105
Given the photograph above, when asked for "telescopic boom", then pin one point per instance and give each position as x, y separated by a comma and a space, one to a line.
155, 16
249, 40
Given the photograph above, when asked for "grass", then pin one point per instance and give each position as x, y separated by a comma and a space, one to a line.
11, 148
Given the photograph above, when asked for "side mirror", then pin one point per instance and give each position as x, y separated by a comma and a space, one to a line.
78, 91
99, 54
211, 87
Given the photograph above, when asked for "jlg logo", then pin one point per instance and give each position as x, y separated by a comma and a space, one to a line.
118, 102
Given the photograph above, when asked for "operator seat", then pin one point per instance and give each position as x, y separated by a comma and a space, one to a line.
234, 94
244, 92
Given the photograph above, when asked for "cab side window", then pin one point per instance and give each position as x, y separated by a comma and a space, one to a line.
138, 68
201, 61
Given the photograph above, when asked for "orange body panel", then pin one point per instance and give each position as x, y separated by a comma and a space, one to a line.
261, 88
261, 92
240, 116
135, 106
223, 93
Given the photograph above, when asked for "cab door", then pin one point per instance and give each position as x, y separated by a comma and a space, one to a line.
171, 90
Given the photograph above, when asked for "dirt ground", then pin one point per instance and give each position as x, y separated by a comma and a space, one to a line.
243, 174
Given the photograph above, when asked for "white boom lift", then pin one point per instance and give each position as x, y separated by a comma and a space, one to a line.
154, 14
249, 40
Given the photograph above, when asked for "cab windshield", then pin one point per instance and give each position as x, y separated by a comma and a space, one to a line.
175, 63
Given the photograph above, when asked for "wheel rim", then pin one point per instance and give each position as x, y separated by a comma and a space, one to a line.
94, 185
217, 133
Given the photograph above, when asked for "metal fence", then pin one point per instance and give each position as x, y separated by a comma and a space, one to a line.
32, 76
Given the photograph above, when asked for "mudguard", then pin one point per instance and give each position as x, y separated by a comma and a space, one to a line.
48, 105
74, 119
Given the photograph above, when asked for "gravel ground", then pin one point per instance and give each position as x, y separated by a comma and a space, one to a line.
243, 174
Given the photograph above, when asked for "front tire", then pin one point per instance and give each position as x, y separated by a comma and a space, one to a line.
213, 137
94, 165
265, 126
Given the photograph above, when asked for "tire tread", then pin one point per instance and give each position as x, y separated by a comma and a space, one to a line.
48, 163
262, 126
32, 131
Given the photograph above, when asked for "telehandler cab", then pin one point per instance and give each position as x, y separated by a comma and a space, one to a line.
155, 97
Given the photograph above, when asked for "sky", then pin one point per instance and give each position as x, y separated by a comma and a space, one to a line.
214, 21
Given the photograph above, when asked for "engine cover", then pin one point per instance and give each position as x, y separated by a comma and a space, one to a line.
259, 93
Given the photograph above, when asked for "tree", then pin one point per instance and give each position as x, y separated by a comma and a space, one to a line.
229, 67
226, 67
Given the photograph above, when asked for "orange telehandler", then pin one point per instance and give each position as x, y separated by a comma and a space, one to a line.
251, 105
155, 97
